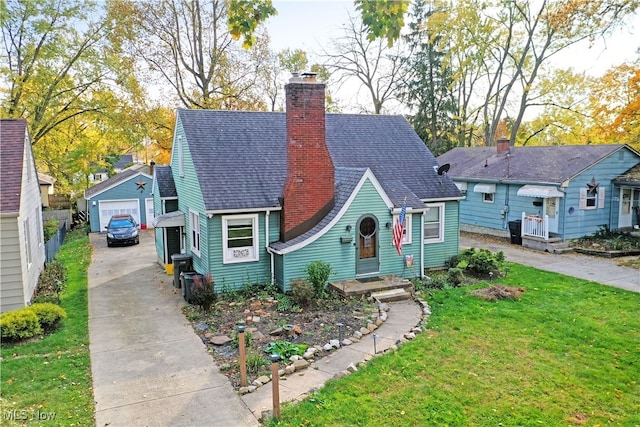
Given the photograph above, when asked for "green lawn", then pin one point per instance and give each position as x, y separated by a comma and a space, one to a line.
567, 353
48, 381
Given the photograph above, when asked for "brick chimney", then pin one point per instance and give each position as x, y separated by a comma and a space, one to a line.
503, 146
308, 191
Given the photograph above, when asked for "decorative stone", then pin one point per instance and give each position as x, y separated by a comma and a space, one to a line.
379, 322
410, 335
294, 358
346, 341
243, 390
282, 372
300, 364
220, 340
309, 353
327, 347
334, 343
264, 379
340, 374
383, 316
257, 335
297, 329
277, 332
384, 307
257, 383
372, 327
364, 331
357, 335
352, 367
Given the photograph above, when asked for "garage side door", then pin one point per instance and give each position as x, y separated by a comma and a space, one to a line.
108, 208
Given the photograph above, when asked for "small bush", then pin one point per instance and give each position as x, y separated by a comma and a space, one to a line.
255, 363
479, 262
302, 292
455, 276
203, 292
50, 228
19, 324
318, 273
48, 314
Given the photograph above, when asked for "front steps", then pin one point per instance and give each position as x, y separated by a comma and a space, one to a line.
553, 245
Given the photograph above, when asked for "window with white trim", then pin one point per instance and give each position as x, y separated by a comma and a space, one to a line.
406, 234
591, 199
27, 241
240, 238
487, 197
434, 223
194, 223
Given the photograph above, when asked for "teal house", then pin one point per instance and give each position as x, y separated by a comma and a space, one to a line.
546, 194
254, 197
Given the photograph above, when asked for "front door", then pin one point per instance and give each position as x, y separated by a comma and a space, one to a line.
625, 219
551, 210
367, 247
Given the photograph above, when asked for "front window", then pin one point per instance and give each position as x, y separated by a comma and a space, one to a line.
487, 197
434, 223
240, 238
406, 234
194, 220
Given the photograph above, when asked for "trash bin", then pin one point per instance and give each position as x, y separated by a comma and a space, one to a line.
187, 277
181, 262
515, 229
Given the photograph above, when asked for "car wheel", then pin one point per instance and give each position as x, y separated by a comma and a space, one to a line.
137, 241
109, 244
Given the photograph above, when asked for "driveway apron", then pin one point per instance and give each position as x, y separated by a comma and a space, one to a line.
149, 367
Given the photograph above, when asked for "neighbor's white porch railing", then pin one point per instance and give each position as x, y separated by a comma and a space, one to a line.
535, 226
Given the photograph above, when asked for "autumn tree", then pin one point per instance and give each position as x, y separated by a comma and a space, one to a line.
376, 67
427, 87
194, 47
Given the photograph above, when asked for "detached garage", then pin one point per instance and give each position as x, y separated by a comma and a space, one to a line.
128, 192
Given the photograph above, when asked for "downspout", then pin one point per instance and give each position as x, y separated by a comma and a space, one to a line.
266, 245
424, 213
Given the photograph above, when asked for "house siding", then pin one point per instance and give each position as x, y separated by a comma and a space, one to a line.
583, 222
125, 190
436, 255
19, 277
188, 187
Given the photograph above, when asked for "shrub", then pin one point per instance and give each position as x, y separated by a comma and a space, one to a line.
302, 292
51, 279
455, 276
48, 314
203, 292
50, 228
19, 324
318, 273
255, 362
479, 262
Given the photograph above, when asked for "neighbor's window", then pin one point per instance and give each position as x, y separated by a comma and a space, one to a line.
240, 238
194, 222
434, 223
487, 197
591, 199
406, 236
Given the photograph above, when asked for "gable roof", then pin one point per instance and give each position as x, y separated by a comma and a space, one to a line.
13, 135
544, 165
125, 175
164, 180
240, 157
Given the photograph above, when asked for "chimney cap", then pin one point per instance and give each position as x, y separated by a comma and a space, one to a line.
309, 76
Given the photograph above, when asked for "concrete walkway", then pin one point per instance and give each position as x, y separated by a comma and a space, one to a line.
149, 367
597, 269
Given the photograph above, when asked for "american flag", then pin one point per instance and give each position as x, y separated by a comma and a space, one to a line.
398, 229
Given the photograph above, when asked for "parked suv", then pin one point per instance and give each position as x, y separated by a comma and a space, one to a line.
122, 230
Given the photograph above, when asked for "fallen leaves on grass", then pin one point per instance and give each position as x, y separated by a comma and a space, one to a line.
498, 292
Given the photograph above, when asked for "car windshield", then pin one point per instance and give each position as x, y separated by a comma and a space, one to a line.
121, 223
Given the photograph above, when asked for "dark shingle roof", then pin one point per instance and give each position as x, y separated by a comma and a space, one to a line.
116, 179
346, 180
549, 164
632, 176
240, 157
13, 133
166, 185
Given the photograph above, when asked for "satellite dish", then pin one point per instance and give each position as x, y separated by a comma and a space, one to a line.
444, 169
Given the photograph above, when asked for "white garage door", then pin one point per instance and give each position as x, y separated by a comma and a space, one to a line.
108, 208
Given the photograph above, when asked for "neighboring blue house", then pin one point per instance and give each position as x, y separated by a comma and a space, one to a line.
260, 195
128, 192
558, 192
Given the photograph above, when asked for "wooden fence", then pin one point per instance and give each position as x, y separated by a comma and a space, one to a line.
52, 246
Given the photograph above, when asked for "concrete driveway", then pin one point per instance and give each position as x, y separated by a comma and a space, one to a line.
149, 367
